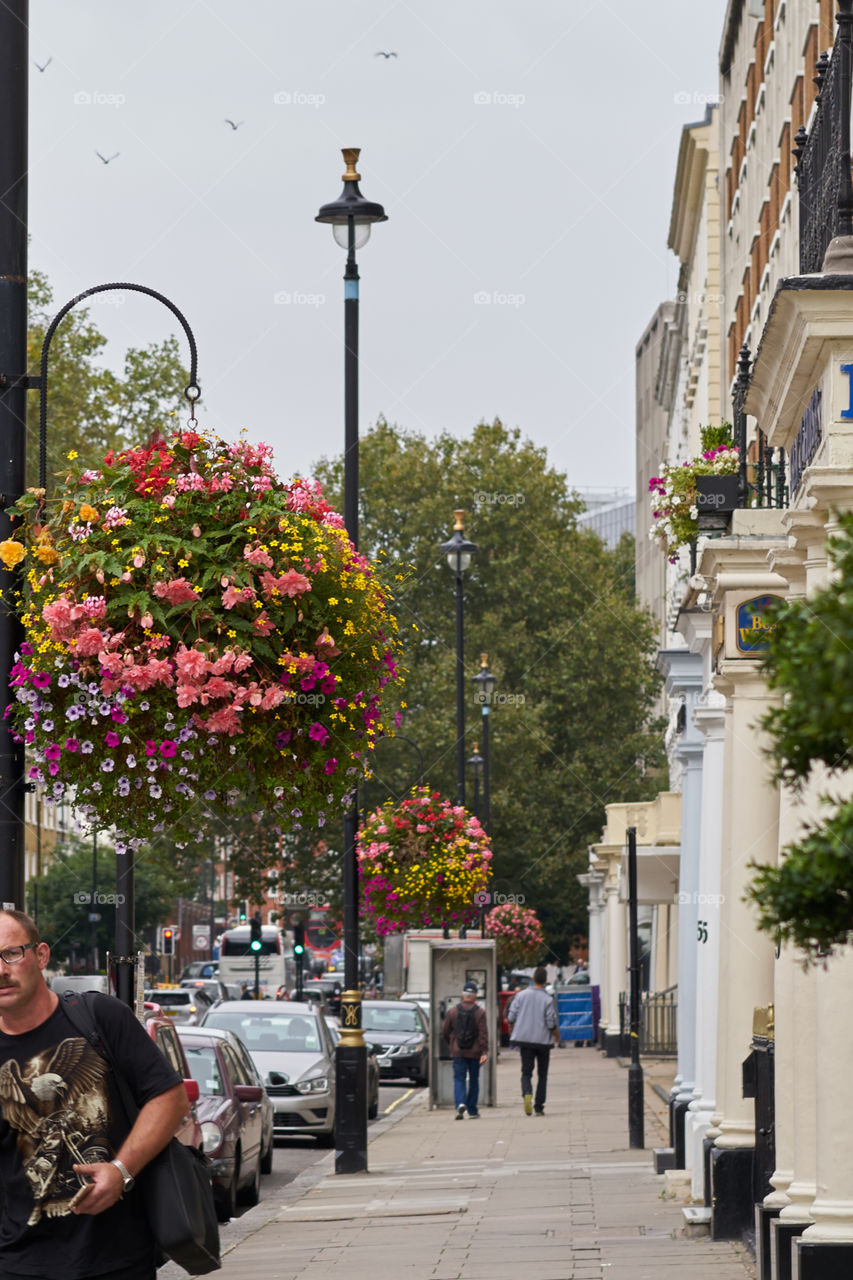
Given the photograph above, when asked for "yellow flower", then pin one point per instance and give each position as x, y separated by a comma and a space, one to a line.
72, 455
87, 512
11, 553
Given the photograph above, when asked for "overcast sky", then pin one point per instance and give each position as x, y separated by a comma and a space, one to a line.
524, 152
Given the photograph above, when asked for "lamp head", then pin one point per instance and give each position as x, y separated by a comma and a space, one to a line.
351, 215
457, 548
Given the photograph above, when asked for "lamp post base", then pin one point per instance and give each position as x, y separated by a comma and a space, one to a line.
351, 1109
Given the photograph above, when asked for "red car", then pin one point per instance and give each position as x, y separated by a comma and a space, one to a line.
162, 1031
236, 1116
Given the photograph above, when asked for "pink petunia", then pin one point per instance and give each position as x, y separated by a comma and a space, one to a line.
319, 733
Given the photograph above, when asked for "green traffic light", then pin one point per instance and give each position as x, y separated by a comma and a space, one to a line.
254, 946
298, 949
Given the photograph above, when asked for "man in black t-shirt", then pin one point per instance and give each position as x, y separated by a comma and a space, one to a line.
68, 1154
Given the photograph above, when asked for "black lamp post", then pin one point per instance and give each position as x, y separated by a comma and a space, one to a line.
475, 764
486, 684
459, 552
351, 217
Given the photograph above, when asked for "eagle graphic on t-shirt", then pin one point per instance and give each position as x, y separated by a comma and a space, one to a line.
57, 1103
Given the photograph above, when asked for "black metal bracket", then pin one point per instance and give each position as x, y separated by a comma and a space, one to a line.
30, 382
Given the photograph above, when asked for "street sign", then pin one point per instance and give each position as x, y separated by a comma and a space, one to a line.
201, 941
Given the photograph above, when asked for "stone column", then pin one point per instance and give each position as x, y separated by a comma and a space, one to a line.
615, 957
750, 834
710, 720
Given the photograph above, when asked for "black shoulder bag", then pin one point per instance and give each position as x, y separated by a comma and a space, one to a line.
175, 1185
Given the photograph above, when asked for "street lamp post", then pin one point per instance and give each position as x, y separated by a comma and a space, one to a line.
459, 552
351, 217
486, 683
475, 764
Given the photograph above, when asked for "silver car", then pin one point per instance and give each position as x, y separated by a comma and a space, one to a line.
292, 1048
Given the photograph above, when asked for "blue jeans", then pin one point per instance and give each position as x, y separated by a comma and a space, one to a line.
469, 1067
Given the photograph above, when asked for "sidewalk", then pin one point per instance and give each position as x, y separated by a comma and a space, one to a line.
553, 1198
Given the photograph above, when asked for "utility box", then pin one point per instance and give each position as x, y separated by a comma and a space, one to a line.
452, 963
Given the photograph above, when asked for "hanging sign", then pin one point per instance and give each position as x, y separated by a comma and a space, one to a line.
751, 624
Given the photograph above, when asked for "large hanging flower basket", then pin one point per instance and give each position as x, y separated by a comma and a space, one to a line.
517, 932
200, 638
676, 505
422, 862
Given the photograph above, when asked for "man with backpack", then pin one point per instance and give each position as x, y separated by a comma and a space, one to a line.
466, 1032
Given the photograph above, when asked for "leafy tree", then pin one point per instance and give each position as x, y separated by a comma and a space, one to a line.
554, 610
62, 898
90, 408
807, 899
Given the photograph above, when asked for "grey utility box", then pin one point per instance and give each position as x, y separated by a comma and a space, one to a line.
453, 962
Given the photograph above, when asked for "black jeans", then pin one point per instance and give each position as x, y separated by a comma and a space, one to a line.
541, 1055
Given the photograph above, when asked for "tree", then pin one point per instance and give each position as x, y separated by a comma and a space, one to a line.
90, 408
554, 610
807, 899
64, 895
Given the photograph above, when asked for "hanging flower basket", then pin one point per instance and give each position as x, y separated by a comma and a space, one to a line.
200, 639
518, 933
675, 511
422, 862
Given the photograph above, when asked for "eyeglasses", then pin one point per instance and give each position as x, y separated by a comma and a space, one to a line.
14, 955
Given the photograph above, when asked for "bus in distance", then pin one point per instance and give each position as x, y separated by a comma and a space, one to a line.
237, 960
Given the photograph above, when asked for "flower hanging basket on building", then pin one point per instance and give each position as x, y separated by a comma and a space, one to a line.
517, 932
200, 639
422, 862
679, 503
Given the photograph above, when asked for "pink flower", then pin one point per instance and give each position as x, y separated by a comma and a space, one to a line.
236, 595
326, 644
319, 733
191, 663
257, 555
330, 766
89, 641
176, 591
216, 687
112, 739
262, 623
168, 748
288, 584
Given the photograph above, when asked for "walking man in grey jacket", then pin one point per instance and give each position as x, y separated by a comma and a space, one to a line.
533, 1019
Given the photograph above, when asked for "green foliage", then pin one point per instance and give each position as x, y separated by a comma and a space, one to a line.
554, 610
63, 920
719, 437
808, 898
90, 408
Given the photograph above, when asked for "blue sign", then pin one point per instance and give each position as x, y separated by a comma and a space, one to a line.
848, 412
752, 626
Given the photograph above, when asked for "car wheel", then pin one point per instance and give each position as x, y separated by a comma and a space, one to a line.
251, 1194
266, 1158
225, 1198
326, 1139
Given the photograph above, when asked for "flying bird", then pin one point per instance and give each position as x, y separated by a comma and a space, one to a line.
233, 125
382, 54
46, 65
105, 159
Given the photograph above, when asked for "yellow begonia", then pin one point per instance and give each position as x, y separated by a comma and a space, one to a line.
11, 553
89, 513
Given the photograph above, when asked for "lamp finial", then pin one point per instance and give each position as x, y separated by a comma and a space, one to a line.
350, 155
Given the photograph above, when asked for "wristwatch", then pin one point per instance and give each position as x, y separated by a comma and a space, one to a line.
127, 1178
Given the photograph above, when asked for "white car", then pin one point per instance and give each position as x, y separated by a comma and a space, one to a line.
293, 1050
419, 998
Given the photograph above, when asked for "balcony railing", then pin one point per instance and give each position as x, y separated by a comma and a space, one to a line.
658, 1022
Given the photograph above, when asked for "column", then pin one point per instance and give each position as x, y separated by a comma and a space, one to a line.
750, 834
710, 720
615, 958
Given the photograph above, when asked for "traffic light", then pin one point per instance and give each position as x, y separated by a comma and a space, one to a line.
299, 939
168, 942
255, 934
244, 912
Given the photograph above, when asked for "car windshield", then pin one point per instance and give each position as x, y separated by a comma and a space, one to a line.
391, 1019
204, 1069
274, 1033
169, 997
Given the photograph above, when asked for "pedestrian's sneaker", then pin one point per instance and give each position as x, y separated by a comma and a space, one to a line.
460, 1113
528, 1104
475, 1115
540, 1111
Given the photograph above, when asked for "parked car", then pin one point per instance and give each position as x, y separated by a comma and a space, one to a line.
162, 1032
421, 999
292, 1048
400, 1032
77, 982
212, 988
236, 1115
180, 1003
327, 989
201, 969
372, 1069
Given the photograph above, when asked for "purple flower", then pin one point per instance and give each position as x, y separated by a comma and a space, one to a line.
107, 766
168, 748
319, 733
112, 739
41, 680
53, 752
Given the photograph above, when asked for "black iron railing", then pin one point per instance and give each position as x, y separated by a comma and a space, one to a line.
823, 154
658, 1022
762, 481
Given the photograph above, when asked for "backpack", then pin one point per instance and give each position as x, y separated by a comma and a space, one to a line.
466, 1027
